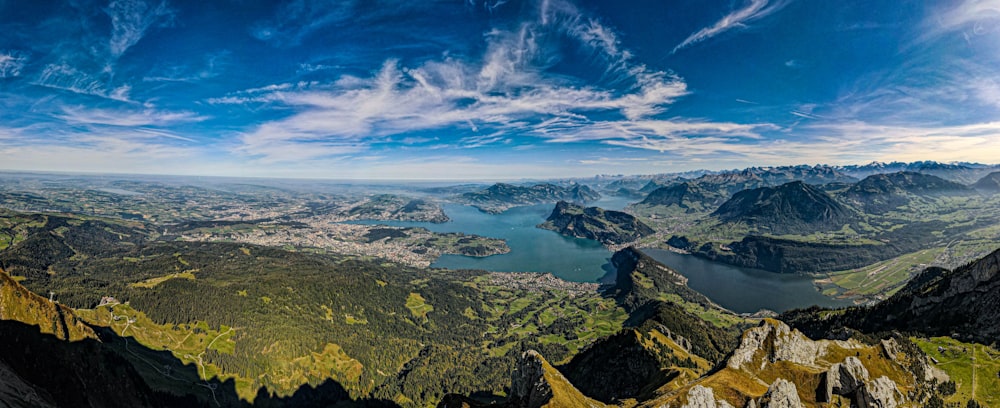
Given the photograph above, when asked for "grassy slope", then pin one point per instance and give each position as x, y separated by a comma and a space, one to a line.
962, 361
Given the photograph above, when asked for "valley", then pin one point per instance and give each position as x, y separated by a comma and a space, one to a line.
275, 297
499, 204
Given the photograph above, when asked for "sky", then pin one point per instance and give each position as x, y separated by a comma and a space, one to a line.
494, 89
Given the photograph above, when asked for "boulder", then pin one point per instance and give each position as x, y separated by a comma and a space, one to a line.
781, 394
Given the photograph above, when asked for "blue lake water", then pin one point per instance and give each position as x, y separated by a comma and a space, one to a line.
745, 290
531, 249
537, 250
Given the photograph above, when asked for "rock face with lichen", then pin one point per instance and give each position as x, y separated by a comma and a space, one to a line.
850, 379
703, 397
774, 341
781, 394
535, 383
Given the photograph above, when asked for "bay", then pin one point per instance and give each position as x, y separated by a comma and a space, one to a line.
745, 290
742, 290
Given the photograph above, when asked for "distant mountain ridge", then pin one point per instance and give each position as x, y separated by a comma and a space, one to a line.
793, 207
501, 196
989, 184
880, 193
687, 195
960, 172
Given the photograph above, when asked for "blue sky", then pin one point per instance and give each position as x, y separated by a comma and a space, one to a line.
494, 89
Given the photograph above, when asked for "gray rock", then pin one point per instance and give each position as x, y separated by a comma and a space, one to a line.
881, 393
780, 342
850, 379
528, 385
781, 394
703, 397
846, 379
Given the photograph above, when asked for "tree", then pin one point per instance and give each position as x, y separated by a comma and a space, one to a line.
935, 402
947, 388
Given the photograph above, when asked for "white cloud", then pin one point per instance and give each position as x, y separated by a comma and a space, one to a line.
125, 118
972, 142
752, 10
11, 63
973, 17
131, 18
510, 91
67, 78
297, 19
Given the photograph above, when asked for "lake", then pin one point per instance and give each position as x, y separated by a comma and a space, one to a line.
531, 249
575, 259
745, 290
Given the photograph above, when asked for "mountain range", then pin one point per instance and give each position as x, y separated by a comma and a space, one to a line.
500, 196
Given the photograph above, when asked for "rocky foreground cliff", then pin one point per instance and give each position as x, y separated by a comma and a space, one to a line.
773, 366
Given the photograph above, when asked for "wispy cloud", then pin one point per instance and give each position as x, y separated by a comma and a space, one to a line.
67, 78
125, 117
295, 20
213, 65
752, 10
971, 17
105, 149
131, 18
972, 142
508, 92
11, 63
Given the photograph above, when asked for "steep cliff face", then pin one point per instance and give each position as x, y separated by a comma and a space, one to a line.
965, 302
608, 227
535, 383
50, 358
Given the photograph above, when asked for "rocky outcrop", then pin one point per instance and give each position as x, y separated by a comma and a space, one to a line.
703, 397
774, 341
850, 379
608, 227
528, 385
881, 393
846, 379
781, 394
535, 383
